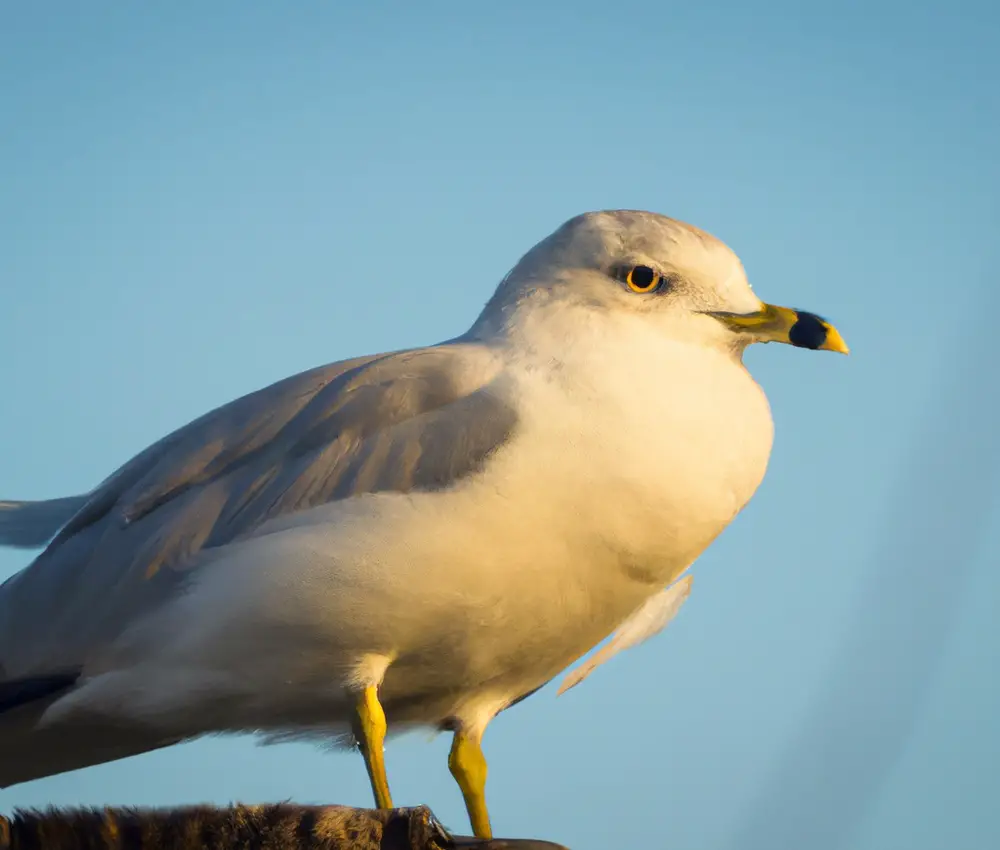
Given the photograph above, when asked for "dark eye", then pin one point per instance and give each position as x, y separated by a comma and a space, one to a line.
643, 279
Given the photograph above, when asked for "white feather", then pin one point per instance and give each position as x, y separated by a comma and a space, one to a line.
650, 619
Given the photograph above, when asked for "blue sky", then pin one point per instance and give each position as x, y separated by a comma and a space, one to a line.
199, 199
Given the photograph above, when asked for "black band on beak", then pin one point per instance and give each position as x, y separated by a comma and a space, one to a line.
809, 331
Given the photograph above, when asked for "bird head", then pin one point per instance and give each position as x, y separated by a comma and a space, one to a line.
645, 264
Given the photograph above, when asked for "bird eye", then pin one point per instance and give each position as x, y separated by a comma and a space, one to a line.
643, 279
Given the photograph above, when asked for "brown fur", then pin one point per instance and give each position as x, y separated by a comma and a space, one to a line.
282, 826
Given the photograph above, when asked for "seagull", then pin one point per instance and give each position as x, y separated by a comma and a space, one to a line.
419, 538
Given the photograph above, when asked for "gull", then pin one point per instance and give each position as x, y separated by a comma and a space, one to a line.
414, 539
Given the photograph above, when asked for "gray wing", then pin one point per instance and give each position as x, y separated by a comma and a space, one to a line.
649, 619
411, 420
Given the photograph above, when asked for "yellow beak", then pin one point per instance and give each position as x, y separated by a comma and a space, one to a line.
782, 324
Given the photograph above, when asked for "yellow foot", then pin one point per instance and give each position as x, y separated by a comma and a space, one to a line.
468, 765
371, 738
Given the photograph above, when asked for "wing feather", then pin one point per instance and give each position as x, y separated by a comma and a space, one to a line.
412, 420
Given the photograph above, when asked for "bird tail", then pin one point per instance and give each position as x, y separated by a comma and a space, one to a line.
29, 525
28, 752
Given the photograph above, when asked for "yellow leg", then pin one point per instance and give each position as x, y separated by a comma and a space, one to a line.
468, 765
371, 738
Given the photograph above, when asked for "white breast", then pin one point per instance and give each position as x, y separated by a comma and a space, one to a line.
652, 446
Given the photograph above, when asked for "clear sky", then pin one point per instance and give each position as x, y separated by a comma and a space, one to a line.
198, 199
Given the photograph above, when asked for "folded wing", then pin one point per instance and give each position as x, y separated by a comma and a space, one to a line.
411, 420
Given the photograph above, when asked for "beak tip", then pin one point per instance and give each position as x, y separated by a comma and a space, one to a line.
835, 342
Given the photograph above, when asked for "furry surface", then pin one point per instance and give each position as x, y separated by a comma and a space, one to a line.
282, 826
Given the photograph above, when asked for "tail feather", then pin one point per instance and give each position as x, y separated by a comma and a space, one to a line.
30, 525
27, 752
